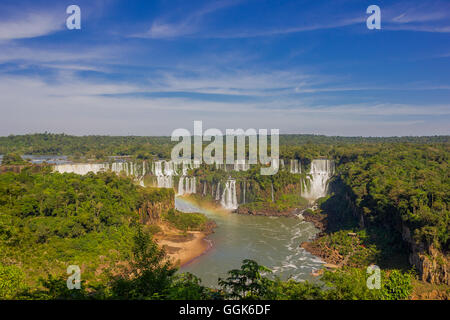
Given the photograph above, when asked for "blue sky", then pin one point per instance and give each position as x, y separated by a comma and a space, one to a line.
149, 67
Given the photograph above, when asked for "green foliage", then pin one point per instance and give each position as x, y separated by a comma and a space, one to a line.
246, 283
293, 290
49, 221
351, 284
403, 183
151, 274
357, 250
55, 288
13, 159
187, 286
186, 221
11, 282
397, 286
89, 147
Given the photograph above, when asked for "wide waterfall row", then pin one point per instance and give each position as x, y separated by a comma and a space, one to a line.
320, 173
129, 168
167, 174
159, 168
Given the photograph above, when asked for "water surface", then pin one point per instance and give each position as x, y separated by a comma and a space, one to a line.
271, 241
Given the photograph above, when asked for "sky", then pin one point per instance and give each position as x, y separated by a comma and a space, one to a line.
150, 67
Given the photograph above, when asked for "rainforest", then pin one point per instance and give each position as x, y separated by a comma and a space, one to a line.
142, 227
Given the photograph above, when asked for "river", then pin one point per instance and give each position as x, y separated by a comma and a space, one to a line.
271, 241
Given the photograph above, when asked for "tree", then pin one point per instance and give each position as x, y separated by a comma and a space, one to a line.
247, 282
151, 273
13, 159
11, 282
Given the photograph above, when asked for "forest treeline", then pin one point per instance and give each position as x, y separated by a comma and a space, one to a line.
99, 147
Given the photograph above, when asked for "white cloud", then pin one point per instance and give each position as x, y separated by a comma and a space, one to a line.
30, 25
189, 24
71, 106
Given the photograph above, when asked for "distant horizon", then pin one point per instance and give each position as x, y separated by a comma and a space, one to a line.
168, 136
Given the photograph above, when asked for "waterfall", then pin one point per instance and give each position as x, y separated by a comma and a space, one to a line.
169, 168
185, 168
157, 170
128, 168
218, 192
181, 186
165, 181
80, 168
245, 187
186, 185
164, 178
241, 165
271, 187
193, 188
229, 199
321, 172
294, 167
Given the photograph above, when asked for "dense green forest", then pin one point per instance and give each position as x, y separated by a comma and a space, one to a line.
404, 183
49, 221
381, 187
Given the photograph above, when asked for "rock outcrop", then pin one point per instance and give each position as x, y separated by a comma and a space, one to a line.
432, 265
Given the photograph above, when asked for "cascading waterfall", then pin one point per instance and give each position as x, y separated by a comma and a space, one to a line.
157, 168
241, 165
135, 170
169, 168
218, 192
271, 188
229, 198
80, 168
185, 168
164, 181
186, 185
321, 172
163, 170
181, 186
245, 187
294, 167
164, 178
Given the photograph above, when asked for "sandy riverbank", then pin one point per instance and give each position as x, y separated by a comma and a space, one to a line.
182, 247
183, 250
